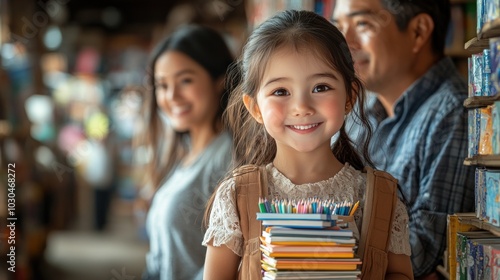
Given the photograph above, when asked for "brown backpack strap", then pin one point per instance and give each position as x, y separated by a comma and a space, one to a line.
251, 183
378, 214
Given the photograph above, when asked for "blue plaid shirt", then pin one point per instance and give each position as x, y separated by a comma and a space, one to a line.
424, 146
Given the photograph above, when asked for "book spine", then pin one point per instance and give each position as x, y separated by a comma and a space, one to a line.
480, 261
461, 257
471, 263
495, 263
455, 226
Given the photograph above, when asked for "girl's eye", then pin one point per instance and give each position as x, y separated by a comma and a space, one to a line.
321, 88
280, 92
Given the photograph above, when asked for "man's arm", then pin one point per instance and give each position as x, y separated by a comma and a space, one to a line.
446, 186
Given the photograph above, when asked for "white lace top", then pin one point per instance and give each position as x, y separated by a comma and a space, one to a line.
348, 184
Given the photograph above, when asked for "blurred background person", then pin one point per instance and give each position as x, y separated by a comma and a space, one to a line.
188, 146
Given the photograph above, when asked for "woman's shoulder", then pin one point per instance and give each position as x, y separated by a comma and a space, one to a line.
222, 143
220, 150
226, 137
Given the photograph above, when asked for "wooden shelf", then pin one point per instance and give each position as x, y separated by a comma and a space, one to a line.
480, 101
483, 160
478, 44
480, 224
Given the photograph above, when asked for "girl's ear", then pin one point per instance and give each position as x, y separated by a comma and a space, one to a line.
252, 107
349, 104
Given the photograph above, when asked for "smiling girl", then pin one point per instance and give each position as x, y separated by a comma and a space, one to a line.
297, 84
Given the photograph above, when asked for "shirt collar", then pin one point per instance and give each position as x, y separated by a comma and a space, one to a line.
417, 93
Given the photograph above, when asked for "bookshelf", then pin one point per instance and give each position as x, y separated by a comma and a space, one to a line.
492, 161
480, 101
485, 163
473, 221
476, 45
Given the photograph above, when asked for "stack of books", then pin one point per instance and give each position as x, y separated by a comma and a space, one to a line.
307, 246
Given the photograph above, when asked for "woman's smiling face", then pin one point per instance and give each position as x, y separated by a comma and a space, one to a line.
185, 91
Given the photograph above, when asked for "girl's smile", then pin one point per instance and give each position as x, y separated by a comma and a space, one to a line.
304, 129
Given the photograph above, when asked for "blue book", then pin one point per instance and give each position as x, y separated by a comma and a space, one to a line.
291, 234
295, 216
300, 223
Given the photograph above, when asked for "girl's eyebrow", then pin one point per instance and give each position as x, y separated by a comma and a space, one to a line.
325, 75
273, 80
317, 75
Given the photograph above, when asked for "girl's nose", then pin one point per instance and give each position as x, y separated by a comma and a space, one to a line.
303, 107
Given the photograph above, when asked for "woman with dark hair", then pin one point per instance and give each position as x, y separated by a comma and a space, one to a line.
189, 147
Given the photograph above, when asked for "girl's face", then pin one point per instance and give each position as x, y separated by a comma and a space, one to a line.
185, 91
301, 100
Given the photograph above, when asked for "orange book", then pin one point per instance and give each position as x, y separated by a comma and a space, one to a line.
307, 254
312, 243
304, 245
310, 266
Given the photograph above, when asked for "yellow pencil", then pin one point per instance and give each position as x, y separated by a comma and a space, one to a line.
354, 208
